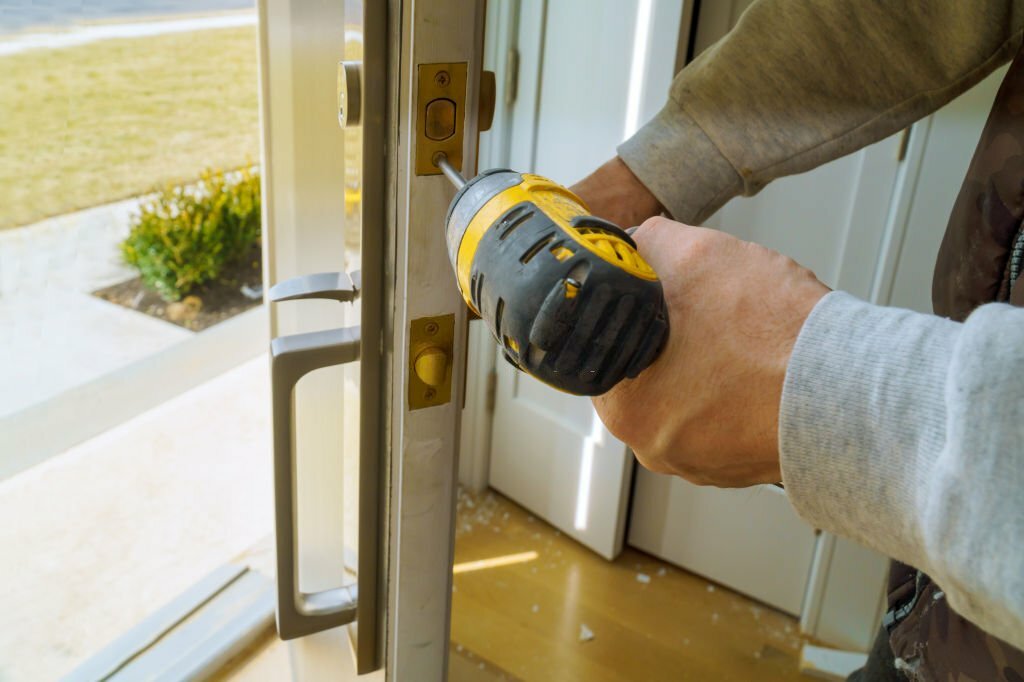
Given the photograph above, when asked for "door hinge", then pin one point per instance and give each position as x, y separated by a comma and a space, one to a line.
492, 391
511, 77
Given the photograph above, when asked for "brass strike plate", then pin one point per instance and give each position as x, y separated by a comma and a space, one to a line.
440, 114
428, 335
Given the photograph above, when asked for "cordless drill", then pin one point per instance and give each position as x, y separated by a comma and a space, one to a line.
565, 294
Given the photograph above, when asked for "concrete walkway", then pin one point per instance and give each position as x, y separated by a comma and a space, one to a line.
72, 252
96, 539
54, 335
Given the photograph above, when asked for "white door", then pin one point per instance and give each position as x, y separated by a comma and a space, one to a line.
938, 150
365, 451
869, 223
942, 145
581, 91
832, 220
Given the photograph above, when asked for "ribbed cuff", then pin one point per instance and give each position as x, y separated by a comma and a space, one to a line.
675, 159
863, 420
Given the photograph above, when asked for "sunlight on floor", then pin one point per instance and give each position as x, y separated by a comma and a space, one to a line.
569, 614
548, 609
507, 560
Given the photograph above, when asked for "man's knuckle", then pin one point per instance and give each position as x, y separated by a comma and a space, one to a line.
702, 245
650, 461
617, 417
643, 234
654, 223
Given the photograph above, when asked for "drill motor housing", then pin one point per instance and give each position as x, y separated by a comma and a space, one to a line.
565, 294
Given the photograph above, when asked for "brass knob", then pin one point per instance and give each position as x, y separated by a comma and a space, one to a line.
431, 366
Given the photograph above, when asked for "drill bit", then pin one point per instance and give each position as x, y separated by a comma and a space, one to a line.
441, 161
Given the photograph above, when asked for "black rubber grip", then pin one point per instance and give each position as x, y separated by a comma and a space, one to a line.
576, 322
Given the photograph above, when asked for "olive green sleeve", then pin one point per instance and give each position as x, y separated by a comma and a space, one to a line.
797, 83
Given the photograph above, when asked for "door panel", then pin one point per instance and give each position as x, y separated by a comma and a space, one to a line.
424, 442
806, 217
575, 478
950, 136
869, 223
720, 534
375, 466
309, 227
549, 451
834, 221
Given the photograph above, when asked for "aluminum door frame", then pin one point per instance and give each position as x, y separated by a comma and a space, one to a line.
419, 283
406, 275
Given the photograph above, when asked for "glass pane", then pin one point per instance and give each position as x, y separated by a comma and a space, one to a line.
134, 396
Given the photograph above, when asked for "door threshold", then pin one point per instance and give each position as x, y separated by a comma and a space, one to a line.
192, 636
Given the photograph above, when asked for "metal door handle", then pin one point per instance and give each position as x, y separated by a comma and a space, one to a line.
335, 286
292, 357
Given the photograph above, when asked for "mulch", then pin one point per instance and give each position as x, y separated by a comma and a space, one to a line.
204, 306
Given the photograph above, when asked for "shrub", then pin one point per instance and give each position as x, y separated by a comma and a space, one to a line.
186, 236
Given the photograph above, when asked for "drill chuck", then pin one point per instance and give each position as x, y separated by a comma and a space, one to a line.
565, 294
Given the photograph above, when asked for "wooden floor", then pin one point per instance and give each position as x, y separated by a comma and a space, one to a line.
531, 604
648, 620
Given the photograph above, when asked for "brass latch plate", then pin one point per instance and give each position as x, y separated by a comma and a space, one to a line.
431, 341
440, 114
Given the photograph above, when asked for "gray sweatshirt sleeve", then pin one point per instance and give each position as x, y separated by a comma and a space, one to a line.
797, 83
905, 432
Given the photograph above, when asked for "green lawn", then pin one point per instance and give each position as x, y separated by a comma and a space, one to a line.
91, 124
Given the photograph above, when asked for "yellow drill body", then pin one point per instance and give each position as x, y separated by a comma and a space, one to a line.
566, 295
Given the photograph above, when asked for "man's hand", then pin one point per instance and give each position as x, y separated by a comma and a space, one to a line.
708, 408
612, 192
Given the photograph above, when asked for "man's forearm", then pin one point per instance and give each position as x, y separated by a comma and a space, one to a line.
800, 82
905, 432
612, 192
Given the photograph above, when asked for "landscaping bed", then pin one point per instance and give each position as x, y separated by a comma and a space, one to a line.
233, 293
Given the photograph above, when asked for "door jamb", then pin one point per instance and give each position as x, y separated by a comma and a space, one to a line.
501, 55
514, 129
424, 443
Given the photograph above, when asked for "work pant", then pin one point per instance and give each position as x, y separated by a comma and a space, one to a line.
881, 665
